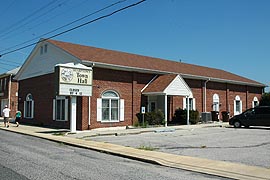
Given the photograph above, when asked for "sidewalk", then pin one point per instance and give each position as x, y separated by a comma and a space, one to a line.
219, 168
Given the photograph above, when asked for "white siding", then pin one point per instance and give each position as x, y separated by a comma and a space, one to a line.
41, 64
178, 87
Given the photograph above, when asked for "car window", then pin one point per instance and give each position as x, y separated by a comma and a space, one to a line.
249, 112
262, 110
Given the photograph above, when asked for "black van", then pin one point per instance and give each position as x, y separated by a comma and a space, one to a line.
258, 116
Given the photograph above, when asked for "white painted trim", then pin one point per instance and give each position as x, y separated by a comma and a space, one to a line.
122, 109
149, 83
99, 109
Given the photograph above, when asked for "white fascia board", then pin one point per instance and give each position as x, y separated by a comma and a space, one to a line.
154, 93
188, 76
74, 65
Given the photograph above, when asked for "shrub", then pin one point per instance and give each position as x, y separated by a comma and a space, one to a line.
151, 118
265, 99
180, 116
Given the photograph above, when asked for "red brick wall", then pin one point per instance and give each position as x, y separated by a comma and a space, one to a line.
128, 85
12, 88
42, 89
14, 98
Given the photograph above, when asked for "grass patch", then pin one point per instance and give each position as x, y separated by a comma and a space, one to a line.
147, 148
203, 146
59, 134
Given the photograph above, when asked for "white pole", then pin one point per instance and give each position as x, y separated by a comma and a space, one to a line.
89, 111
187, 110
73, 106
165, 111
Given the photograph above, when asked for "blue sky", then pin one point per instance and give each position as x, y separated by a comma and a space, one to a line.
232, 35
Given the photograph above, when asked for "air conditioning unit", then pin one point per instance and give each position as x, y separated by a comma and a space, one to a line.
206, 116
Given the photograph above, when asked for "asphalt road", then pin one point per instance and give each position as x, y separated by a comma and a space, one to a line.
247, 146
25, 157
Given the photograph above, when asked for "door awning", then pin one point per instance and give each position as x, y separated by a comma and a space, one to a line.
168, 84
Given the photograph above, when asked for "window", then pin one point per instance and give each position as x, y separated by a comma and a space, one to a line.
237, 105
5, 84
1, 85
29, 106
255, 102
215, 102
45, 48
192, 105
60, 108
153, 106
41, 50
110, 108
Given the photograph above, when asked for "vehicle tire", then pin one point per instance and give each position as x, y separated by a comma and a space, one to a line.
237, 124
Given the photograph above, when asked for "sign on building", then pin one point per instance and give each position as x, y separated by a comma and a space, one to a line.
73, 80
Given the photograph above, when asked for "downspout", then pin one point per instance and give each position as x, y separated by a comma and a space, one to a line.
9, 91
204, 101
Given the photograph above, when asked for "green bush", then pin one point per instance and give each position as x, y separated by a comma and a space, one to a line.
180, 116
265, 99
151, 118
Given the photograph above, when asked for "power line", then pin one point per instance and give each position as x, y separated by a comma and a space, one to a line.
76, 27
5, 36
38, 37
34, 26
6, 9
16, 24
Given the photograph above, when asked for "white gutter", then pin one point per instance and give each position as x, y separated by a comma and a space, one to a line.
9, 90
204, 100
127, 68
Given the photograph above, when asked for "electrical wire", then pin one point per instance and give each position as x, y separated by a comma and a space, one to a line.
34, 26
18, 23
76, 27
5, 36
68, 24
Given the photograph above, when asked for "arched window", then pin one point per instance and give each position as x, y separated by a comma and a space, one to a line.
255, 102
29, 106
110, 108
215, 102
237, 105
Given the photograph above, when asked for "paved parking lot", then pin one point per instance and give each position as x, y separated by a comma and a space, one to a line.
247, 146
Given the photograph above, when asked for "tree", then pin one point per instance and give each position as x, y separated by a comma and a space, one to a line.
265, 100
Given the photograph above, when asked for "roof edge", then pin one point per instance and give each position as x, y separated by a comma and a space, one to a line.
128, 68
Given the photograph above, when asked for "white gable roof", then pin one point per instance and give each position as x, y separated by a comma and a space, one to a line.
40, 63
178, 87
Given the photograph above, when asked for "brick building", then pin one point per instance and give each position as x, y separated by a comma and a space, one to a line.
9, 91
122, 84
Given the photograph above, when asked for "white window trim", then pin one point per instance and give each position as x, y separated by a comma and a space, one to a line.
121, 109
66, 108
193, 105
255, 99
32, 107
215, 102
237, 98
